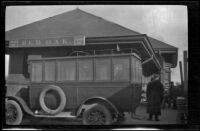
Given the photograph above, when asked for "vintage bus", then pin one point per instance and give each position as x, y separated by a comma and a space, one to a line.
96, 88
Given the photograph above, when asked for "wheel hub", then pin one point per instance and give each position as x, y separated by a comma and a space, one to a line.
11, 113
96, 117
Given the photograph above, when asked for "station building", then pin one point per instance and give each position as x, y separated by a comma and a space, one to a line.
79, 31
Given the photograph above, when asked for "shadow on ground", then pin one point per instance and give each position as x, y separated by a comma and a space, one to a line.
168, 117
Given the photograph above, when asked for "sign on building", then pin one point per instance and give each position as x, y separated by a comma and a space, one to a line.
64, 41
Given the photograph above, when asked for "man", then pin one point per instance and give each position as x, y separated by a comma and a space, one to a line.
154, 97
166, 99
173, 94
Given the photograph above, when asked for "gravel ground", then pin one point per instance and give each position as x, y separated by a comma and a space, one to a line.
168, 117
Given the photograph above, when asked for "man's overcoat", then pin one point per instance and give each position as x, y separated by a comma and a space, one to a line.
154, 97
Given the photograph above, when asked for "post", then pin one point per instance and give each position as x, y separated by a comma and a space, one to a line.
185, 81
181, 72
185, 73
182, 102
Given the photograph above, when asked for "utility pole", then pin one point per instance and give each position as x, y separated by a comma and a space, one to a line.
181, 72
182, 102
185, 73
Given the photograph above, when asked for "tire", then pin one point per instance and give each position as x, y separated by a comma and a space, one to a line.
98, 115
14, 113
62, 103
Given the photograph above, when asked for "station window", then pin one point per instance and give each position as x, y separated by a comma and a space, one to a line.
121, 68
85, 69
103, 69
66, 70
36, 72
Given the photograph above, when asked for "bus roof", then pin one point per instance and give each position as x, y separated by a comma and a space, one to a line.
37, 58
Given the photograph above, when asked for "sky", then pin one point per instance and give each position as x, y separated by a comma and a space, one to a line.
167, 23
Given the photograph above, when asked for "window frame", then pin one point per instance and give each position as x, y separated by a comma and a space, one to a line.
129, 68
44, 67
136, 64
78, 73
31, 71
103, 58
60, 81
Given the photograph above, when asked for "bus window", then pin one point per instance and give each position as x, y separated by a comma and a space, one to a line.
138, 71
36, 72
66, 70
121, 68
133, 70
103, 69
49, 71
85, 69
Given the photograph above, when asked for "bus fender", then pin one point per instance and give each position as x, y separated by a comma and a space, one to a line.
22, 104
95, 100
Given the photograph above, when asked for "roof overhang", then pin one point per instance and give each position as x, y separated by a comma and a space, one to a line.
171, 54
140, 42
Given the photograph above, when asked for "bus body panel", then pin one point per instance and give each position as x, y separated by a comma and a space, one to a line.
120, 94
123, 91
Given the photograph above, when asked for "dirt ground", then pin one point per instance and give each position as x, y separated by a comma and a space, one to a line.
168, 117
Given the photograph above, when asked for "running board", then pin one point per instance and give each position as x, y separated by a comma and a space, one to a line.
60, 115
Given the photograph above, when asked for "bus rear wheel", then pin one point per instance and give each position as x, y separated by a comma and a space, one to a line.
97, 115
14, 113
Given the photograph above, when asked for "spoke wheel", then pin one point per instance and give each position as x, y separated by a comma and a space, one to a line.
13, 113
97, 115
96, 118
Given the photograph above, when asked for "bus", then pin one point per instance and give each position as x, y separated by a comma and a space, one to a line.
98, 89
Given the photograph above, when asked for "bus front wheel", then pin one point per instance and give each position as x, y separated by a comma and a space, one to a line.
14, 113
97, 115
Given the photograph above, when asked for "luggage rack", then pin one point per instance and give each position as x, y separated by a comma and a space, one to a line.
104, 51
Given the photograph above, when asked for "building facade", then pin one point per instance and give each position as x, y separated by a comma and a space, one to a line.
78, 30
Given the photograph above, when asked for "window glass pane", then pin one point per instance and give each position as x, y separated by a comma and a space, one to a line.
85, 69
138, 71
103, 67
49, 71
36, 72
66, 70
121, 68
